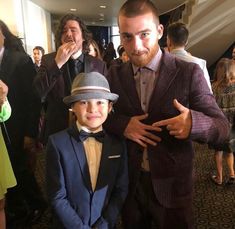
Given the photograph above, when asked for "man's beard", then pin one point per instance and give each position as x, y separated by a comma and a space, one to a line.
143, 58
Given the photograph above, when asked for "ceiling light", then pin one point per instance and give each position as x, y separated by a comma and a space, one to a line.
73, 9
103, 7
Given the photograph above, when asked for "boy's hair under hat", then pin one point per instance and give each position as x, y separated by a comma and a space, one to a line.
92, 85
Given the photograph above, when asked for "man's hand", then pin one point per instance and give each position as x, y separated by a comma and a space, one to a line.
139, 132
64, 52
3, 92
179, 126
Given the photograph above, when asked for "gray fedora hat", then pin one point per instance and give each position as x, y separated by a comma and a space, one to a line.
92, 85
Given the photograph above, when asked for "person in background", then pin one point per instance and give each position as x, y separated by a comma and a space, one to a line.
123, 57
233, 54
104, 44
25, 203
224, 90
38, 52
164, 105
109, 54
7, 177
177, 39
86, 169
92, 48
58, 69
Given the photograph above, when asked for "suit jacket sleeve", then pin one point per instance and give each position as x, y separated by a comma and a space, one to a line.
209, 125
47, 76
57, 192
31, 104
112, 210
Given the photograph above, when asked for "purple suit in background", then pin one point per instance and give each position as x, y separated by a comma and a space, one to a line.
171, 161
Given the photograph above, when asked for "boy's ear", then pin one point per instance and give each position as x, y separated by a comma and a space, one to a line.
71, 108
110, 107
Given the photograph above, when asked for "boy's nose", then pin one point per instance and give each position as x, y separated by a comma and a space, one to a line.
91, 108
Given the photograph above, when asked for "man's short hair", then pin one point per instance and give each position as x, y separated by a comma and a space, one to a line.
133, 8
178, 33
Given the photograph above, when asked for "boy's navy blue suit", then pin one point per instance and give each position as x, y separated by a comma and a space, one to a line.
69, 186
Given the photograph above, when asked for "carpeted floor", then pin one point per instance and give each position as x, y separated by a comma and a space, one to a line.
214, 206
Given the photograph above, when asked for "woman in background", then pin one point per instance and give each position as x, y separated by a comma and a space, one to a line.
92, 48
109, 54
7, 178
224, 90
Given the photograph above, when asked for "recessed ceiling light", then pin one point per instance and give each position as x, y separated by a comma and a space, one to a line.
73, 9
101, 19
101, 15
103, 7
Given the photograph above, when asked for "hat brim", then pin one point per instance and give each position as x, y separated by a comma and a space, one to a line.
93, 95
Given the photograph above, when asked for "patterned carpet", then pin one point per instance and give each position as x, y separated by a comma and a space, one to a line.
214, 206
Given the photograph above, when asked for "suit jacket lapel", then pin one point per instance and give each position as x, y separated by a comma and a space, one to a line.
107, 150
167, 73
128, 83
67, 78
81, 155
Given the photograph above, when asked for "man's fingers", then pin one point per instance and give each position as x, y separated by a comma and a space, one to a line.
141, 117
164, 122
179, 106
148, 141
152, 137
141, 143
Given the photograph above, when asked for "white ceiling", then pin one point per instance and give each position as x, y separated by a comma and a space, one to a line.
91, 13
212, 28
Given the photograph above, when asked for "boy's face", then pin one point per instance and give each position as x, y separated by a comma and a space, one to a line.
92, 113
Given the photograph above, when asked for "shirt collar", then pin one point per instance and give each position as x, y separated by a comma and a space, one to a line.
77, 55
152, 65
178, 50
80, 127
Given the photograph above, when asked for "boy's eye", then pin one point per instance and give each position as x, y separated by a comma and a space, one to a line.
82, 102
100, 102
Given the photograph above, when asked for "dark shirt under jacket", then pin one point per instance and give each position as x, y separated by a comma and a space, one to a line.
53, 84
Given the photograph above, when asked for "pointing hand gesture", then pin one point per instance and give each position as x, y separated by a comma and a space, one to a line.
139, 132
179, 126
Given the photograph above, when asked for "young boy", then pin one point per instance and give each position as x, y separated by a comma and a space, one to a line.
87, 178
